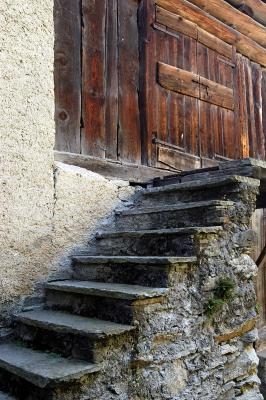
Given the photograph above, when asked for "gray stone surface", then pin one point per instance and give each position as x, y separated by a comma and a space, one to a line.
42, 369
160, 232
133, 260
69, 323
114, 290
181, 206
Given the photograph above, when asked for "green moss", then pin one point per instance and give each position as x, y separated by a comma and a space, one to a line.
223, 292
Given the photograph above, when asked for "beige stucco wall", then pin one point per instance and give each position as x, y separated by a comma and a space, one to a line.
46, 209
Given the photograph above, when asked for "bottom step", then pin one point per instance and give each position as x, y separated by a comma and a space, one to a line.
4, 396
42, 369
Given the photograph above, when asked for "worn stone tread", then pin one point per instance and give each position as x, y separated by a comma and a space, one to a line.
177, 207
68, 323
42, 369
202, 184
159, 232
4, 396
113, 290
133, 260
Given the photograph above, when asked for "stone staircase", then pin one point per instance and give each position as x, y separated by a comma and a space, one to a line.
131, 323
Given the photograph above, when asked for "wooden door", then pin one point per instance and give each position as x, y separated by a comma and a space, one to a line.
97, 79
191, 109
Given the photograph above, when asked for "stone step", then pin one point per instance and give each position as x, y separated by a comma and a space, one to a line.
61, 322
4, 396
42, 369
107, 290
155, 242
145, 271
207, 188
214, 212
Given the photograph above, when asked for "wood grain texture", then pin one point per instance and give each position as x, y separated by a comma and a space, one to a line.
177, 160
244, 44
217, 94
147, 95
229, 15
111, 79
93, 79
190, 84
254, 8
67, 75
258, 106
176, 22
178, 80
129, 141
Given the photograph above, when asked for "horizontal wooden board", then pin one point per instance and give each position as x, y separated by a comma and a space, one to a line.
190, 84
111, 168
217, 94
177, 23
256, 9
243, 44
215, 43
178, 160
178, 80
223, 11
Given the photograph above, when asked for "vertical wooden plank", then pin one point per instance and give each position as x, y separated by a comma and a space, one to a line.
229, 134
162, 54
253, 151
263, 93
206, 135
93, 82
67, 75
129, 141
172, 136
191, 105
147, 94
111, 77
241, 117
257, 90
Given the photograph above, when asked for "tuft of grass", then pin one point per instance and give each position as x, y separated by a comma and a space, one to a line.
223, 292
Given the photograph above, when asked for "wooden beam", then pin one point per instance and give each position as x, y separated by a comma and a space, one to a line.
178, 80
217, 94
254, 8
243, 44
111, 168
178, 160
190, 84
232, 17
177, 23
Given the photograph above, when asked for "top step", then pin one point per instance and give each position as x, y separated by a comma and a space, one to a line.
200, 184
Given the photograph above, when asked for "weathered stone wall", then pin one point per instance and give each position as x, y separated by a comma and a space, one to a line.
45, 208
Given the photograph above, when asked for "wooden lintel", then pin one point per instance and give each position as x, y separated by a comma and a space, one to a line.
112, 169
205, 21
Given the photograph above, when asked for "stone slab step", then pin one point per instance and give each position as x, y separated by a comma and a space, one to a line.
42, 369
133, 260
176, 207
4, 396
61, 322
112, 290
159, 232
199, 184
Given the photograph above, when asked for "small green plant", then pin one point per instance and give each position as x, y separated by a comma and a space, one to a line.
258, 308
223, 292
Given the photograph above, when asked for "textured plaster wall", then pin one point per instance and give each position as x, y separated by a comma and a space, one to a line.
45, 208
